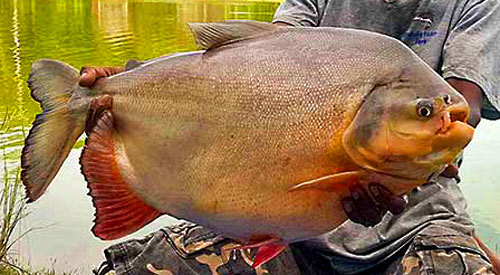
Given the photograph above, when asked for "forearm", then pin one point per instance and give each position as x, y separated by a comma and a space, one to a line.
474, 96
495, 261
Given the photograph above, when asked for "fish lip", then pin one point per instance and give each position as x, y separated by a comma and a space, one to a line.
458, 113
450, 142
465, 129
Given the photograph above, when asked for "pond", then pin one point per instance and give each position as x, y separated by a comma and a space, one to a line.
110, 32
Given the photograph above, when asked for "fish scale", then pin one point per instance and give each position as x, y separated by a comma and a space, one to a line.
264, 116
258, 137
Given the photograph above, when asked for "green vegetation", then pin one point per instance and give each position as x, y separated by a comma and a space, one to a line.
12, 203
83, 33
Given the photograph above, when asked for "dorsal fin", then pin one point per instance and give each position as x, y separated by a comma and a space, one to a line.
132, 64
212, 35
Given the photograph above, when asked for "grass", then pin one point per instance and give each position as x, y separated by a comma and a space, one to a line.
13, 210
13, 207
12, 204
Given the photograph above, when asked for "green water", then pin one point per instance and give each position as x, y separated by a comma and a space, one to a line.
110, 32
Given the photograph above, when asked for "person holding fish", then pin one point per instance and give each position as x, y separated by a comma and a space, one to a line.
392, 124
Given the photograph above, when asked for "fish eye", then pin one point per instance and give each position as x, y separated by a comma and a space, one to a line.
425, 109
447, 99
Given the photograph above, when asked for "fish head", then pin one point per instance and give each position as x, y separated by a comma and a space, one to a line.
410, 125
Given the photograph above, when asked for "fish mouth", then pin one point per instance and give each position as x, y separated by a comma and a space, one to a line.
453, 114
458, 114
454, 132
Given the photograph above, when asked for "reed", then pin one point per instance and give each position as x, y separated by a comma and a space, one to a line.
13, 210
13, 207
12, 204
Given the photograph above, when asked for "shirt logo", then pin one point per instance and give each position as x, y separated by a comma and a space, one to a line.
418, 37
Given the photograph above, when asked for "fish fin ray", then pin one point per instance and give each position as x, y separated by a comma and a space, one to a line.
55, 130
266, 250
212, 35
113, 219
266, 253
332, 183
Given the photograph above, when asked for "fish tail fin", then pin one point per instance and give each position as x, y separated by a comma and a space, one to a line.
55, 130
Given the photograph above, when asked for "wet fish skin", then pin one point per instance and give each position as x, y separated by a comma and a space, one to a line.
221, 137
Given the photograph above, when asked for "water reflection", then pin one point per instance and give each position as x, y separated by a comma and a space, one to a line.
113, 23
99, 32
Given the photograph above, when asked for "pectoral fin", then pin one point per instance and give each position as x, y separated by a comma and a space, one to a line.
332, 183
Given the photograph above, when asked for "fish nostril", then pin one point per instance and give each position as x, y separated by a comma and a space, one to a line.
447, 99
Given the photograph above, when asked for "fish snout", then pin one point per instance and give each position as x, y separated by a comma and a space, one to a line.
454, 131
458, 112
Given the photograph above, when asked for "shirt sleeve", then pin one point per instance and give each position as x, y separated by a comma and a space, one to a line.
300, 12
472, 51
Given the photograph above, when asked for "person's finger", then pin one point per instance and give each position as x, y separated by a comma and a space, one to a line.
387, 200
109, 71
87, 77
367, 208
396, 205
351, 211
379, 197
451, 171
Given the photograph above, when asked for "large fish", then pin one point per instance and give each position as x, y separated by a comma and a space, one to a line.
257, 137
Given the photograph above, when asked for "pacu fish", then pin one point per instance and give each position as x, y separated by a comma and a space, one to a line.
258, 136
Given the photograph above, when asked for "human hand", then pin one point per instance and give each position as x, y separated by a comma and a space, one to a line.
451, 171
368, 208
89, 75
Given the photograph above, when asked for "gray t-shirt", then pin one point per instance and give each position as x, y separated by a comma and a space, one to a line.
458, 39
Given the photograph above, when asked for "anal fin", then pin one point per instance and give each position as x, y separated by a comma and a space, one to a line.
119, 211
266, 250
266, 253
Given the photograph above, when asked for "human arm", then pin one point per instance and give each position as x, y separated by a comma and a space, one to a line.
470, 60
495, 261
473, 95
471, 64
